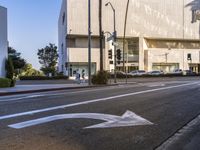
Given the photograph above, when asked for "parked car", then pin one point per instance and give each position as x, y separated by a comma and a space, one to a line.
119, 74
155, 73
137, 73
177, 72
188, 72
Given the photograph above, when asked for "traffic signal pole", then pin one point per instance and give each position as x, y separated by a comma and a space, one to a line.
114, 41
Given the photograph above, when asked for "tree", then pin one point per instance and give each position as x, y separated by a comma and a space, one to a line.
195, 9
100, 35
125, 22
10, 71
17, 61
28, 70
9, 68
48, 57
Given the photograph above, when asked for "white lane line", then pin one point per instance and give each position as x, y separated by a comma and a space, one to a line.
20, 98
155, 85
90, 101
26, 97
63, 93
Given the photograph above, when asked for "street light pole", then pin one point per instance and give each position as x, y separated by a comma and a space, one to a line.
89, 42
114, 40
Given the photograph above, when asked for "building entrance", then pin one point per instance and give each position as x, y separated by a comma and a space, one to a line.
194, 67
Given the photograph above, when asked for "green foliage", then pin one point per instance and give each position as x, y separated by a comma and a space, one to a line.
18, 62
100, 78
10, 71
42, 78
9, 68
28, 70
5, 82
12, 83
48, 57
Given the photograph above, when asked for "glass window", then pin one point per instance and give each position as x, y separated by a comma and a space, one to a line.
132, 47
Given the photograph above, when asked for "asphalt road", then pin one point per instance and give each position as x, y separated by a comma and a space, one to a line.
168, 105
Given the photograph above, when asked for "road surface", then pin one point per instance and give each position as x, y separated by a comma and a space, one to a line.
140, 116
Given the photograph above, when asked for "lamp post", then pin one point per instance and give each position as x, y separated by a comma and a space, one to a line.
114, 40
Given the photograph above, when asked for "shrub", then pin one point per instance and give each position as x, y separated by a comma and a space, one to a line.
100, 78
9, 68
5, 82
10, 71
12, 83
42, 77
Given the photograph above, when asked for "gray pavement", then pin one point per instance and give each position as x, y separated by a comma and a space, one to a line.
169, 105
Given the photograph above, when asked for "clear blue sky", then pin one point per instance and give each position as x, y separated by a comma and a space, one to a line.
32, 24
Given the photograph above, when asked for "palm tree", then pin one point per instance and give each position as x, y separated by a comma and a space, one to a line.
195, 6
100, 35
127, 6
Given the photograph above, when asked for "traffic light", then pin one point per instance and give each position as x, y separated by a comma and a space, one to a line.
119, 54
110, 55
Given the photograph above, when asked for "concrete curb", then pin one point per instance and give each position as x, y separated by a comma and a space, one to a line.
53, 89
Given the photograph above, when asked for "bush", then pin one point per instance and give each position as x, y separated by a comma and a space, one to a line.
10, 71
5, 82
12, 83
42, 77
9, 68
100, 78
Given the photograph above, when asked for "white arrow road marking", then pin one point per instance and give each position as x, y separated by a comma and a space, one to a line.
127, 119
91, 101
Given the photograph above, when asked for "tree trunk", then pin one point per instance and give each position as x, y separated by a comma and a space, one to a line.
100, 35
125, 21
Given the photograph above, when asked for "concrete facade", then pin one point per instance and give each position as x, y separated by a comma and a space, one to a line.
3, 40
149, 22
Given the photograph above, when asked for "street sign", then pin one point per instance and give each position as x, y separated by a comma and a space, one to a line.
110, 38
115, 44
127, 119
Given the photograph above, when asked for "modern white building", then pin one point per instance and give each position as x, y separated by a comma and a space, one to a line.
3, 40
160, 35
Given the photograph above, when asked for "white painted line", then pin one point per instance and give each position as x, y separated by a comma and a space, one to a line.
20, 98
91, 101
47, 94
127, 119
156, 85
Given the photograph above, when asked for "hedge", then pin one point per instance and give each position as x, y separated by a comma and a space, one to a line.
100, 78
5, 82
42, 77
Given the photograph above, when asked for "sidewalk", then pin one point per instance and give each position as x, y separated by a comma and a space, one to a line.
23, 89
